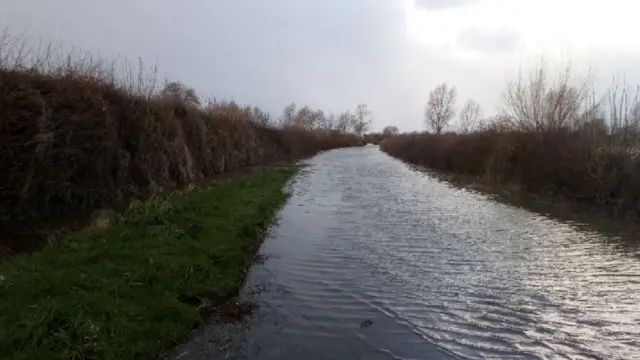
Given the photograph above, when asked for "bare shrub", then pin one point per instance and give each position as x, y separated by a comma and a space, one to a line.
536, 103
553, 137
344, 122
499, 122
79, 133
180, 92
304, 118
560, 163
58, 61
623, 114
469, 116
390, 131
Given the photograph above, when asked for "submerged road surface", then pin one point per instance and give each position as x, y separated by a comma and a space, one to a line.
371, 259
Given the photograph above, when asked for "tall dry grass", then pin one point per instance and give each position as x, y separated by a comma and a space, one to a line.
78, 132
553, 137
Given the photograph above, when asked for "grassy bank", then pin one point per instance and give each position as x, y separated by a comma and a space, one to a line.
132, 290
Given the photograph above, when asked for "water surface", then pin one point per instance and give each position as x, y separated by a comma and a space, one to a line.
372, 259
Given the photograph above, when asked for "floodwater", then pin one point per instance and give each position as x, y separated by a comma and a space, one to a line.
372, 259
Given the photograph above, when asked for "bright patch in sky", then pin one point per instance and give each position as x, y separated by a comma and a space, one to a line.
561, 27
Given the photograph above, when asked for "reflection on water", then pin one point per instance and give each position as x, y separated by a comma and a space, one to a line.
441, 273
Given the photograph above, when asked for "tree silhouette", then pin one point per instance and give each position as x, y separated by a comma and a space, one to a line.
440, 107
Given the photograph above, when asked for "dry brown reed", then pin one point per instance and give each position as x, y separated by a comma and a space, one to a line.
78, 132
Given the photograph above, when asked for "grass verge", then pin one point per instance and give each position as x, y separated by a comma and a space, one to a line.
136, 288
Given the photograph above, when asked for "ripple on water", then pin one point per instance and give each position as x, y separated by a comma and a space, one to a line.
441, 273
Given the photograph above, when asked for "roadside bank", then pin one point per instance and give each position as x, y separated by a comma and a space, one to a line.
135, 284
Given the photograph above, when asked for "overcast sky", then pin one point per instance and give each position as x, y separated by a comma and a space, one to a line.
334, 54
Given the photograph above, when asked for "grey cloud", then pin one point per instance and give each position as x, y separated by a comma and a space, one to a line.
332, 54
490, 40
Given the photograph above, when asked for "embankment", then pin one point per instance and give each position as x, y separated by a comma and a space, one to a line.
71, 143
76, 136
135, 284
574, 165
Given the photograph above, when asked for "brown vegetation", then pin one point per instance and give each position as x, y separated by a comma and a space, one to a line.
552, 138
377, 137
77, 134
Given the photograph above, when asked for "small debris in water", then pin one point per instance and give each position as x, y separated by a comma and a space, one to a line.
259, 259
257, 289
366, 323
183, 354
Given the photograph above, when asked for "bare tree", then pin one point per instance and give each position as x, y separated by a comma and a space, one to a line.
305, 118
469, 116
315, 119
259, 117
328, 122
361, 120
440, 108
537, 104
500, 122
344, 122
288, 116
390, 131
623, 105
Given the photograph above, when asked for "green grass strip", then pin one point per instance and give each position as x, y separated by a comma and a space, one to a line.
131, 291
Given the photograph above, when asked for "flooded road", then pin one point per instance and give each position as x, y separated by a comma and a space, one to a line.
372, 259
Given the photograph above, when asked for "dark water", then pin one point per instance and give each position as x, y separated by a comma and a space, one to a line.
439, 272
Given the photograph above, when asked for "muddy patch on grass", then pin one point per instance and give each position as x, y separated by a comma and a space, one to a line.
231, 312
223, 334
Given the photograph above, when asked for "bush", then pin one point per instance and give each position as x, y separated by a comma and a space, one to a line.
551, 137
76, 136
562, 162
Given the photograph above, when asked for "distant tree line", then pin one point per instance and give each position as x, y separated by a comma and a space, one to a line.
376, 138
551, 136
356, 122
304, 117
